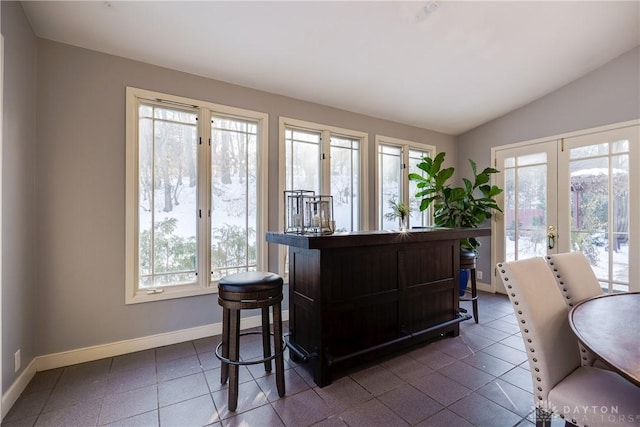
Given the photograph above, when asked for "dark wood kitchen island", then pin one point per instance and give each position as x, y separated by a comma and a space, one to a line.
354, 297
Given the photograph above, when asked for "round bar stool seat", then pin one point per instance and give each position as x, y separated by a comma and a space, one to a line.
249, 290
468, 262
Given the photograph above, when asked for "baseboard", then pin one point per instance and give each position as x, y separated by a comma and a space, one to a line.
89, 354
485, 287
18, 386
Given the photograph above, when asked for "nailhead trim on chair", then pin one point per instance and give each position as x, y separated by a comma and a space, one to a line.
564, 289
525, 330
587, 358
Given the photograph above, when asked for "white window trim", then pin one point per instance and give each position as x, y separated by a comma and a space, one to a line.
205, 285
406, 145
326, 130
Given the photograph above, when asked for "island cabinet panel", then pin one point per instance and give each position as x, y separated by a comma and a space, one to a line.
427, 279
354, 297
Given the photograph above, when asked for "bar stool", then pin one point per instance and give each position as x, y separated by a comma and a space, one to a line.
250, 290
468, 262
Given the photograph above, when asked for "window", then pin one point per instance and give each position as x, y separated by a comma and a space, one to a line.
329, 161
196, 205
396, 159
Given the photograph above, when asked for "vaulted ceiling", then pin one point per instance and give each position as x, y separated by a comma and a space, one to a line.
443, 65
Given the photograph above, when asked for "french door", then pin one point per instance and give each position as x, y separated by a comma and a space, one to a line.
579, 192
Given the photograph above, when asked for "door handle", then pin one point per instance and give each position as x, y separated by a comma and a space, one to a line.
551, 236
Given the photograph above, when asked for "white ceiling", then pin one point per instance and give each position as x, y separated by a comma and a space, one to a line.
449, 70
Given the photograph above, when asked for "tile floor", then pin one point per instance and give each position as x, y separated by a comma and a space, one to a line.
479, 378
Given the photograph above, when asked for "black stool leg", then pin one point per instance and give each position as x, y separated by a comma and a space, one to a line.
234, 350
277, 344
266, 338
224, 367
474, 294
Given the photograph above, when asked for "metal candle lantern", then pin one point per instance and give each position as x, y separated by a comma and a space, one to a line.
319, 214
294, 210
306, 213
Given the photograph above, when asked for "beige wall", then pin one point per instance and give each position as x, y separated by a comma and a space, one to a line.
81, 190
18, 191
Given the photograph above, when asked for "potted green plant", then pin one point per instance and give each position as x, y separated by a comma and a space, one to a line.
459, 207
399, 210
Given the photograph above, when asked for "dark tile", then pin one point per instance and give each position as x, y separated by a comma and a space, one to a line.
262, 416
445, 418
122, 381
377, 380
481, 412
332, 421
196, 412
410, 404
440, 388
85, 371
183, 388
490, 333
520, 378
432, 358
371, 414
488, 363
408, 387
213, 378
249, 397
302, 409
514, 341
305, 374
206, 345
467, 375
81, 414
292, 381
406, 367
125, 405
76, 391
148, 419
43, 380
475, 342
454, 347
343, 393
175, 351
504, 326
506, 353
21, 422
509, 397
208, 361
27, 406
177, 368
137, 360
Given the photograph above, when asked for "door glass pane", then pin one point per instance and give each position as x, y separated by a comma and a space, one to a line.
600, 210
590, 150
345, 182
526, 208
167, 198
531, 159
234, 147
390, 179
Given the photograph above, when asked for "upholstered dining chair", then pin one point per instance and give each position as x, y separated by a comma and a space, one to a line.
581, 395
577, 281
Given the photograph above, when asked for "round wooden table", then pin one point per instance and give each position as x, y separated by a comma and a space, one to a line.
609, 326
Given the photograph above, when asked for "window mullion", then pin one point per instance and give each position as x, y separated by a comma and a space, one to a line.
204, 197
404, 170
325, 162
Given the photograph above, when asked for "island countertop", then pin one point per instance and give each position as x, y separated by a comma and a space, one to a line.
376, 237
